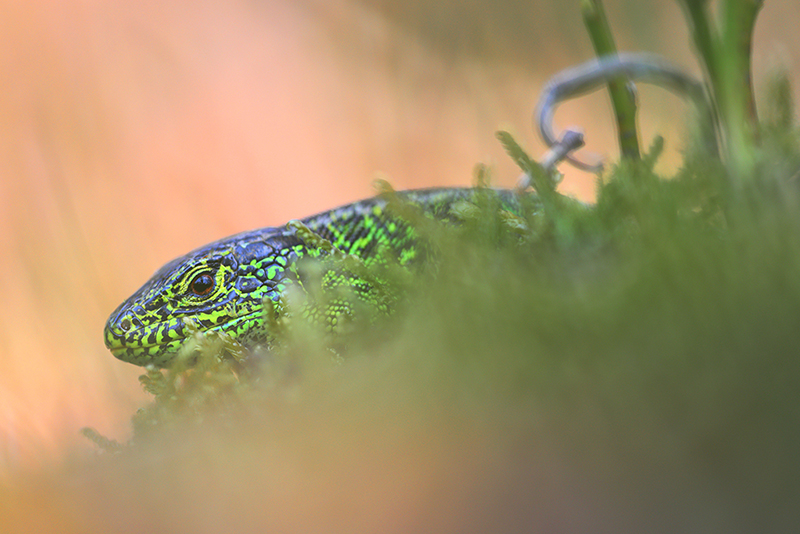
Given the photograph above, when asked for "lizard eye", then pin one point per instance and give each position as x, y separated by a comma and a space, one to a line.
202, 284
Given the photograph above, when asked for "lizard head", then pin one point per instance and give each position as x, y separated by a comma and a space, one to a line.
219, 287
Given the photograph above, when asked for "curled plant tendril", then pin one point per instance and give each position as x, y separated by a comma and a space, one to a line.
589, 76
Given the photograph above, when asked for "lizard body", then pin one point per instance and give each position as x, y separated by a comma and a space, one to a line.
222, 286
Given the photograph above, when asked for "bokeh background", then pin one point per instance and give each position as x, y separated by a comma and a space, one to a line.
131, 132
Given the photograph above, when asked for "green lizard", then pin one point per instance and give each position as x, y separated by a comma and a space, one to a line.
222, 286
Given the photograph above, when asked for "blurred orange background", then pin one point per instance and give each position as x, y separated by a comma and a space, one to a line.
133, 132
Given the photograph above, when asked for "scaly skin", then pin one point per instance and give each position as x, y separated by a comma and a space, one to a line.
221, 287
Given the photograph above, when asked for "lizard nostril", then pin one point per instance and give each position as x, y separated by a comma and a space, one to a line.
125, 325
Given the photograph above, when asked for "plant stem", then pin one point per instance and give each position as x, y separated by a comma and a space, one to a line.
725, 55
734, 92
622, 92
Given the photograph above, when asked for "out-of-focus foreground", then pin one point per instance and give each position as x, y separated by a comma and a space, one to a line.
133, 132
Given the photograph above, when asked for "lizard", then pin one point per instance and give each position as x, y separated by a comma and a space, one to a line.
222, 287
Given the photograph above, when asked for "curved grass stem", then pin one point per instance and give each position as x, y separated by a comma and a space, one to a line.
725, 51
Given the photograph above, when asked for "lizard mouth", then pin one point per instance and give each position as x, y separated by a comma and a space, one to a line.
130, 341
158, 343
